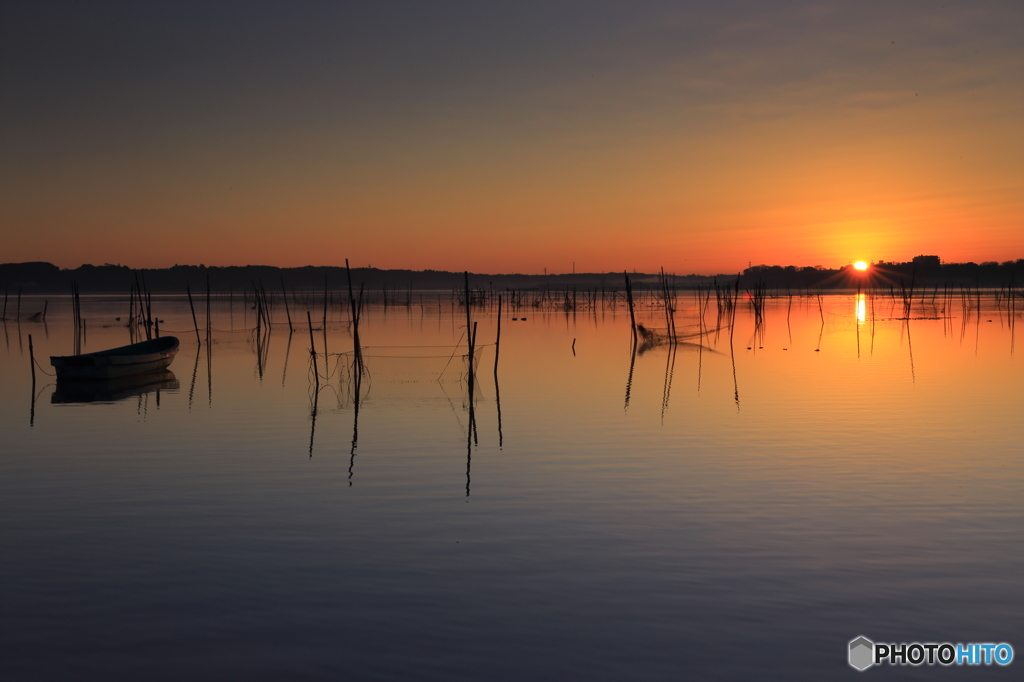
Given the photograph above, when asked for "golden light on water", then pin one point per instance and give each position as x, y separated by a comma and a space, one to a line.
860, 265
862, 308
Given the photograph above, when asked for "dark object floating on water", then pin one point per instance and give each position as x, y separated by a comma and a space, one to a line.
110, 390
138, 358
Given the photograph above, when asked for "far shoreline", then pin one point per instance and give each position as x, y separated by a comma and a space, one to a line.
923, 271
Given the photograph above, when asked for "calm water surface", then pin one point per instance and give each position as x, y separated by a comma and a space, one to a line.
738, 507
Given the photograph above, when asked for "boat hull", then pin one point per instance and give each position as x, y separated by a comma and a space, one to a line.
138, 358
112, 390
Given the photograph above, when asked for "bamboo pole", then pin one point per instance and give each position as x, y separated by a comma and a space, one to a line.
259, 311
469, 323
312, 352
326, 360
32, 361
149, 312
629, 298
471, 381
287, 312
209, 324
131, 314
193, 309
76, 315
355, 311
497, 342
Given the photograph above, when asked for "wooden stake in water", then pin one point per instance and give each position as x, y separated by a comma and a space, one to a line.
312, 351
497, 341
356, 310
472, 384
149, 313
469, 324
287, 312
256, 305
629, 298
209, 324
327, 369
145, 306
32, 361
76, 312
193, 309
131, 314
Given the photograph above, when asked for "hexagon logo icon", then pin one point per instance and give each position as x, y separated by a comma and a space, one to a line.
862, 653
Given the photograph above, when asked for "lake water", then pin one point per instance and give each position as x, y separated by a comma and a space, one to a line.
738, 506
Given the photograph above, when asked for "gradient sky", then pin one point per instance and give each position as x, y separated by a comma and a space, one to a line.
511, 137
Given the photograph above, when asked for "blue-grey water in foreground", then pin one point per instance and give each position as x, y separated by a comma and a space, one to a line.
736, 509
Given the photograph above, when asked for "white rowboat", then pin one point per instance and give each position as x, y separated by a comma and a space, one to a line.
138, 358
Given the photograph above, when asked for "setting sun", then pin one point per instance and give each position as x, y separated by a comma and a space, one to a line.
860, 265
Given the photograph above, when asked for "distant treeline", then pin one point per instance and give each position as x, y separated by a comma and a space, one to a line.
923, 270
48, 278
40, 278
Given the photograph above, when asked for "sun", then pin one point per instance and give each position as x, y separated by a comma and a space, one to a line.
860, 265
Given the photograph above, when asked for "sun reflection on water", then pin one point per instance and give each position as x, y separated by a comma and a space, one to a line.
862, 308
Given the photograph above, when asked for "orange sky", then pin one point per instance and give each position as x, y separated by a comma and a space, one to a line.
692, 138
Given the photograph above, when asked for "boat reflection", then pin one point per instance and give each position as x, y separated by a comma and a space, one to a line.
111, 390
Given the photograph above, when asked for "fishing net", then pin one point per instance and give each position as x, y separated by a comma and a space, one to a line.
406, 366
418, 373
